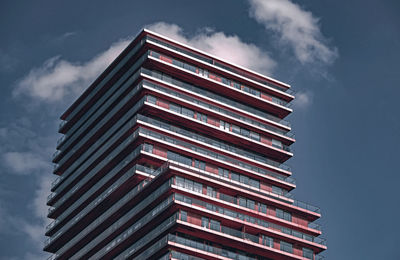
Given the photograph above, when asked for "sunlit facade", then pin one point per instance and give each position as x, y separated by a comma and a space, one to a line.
173, 153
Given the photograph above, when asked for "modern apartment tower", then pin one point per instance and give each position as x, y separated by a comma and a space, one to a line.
173, 153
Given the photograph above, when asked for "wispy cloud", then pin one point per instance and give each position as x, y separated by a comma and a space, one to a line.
296, 28
57, 78
229, 47
303, 99
24, 162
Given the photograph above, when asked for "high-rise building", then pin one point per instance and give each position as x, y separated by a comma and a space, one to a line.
173, 153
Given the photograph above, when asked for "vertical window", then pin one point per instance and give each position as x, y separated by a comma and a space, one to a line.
183, 215
283, 215
201, 117
234, 176
287, 247
255, 136
276, 143
244, 132
242, 202
254, 183
262, 208
179, 181
148, 147
308, 253
197, 187
255, 92
175, 107
211, 192
244, 179
205, 222
276, 190
215, 225
187, 112
250, 204
236, 129
151, 99
200, 164
267, 241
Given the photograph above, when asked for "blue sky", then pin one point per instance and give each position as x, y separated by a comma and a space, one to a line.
341, 57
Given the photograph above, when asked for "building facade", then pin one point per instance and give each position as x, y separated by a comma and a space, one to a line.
173, 153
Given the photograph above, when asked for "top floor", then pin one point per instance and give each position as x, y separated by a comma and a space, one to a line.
185, 53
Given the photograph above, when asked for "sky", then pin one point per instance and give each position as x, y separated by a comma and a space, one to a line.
341, 58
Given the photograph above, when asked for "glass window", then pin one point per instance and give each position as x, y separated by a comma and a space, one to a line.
236, 85
276, 190
267, 241
244, 179
234, 176
198, 187
175, 107
283, 215
236, 129
151, 99
255, 92
205, 222
211, 192
244, 132
307, 253
262, 208
287, 247
183, 215
254, 183
242, 201
276, 143
251, 204
148, 147
255, 136
187, 112
215, 225
179, 181
246, 89
201, 117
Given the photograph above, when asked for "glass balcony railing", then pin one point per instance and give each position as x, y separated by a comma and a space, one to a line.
97, 111
215, 155
109, 212
85, 211
187, 242
216, 144
248, 218
105, 80
221, 65
110, 157
95, 187
128, 231
218, 78
120, 127
104, 102
169, 222
214, 96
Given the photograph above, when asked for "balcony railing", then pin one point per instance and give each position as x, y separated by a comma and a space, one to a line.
166, 78
222, 66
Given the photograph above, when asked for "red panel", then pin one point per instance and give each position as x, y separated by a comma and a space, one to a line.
266, 187
265, 96
166, 59
162, 103
194, 219
160, 151
277, 244
271, 211
300, 221
297, 251
266, 140
211, 168
214, 77
213, 121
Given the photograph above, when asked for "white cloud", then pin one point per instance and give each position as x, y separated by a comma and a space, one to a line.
57, 78
24, 162
229, 47
303, 99
296, 27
